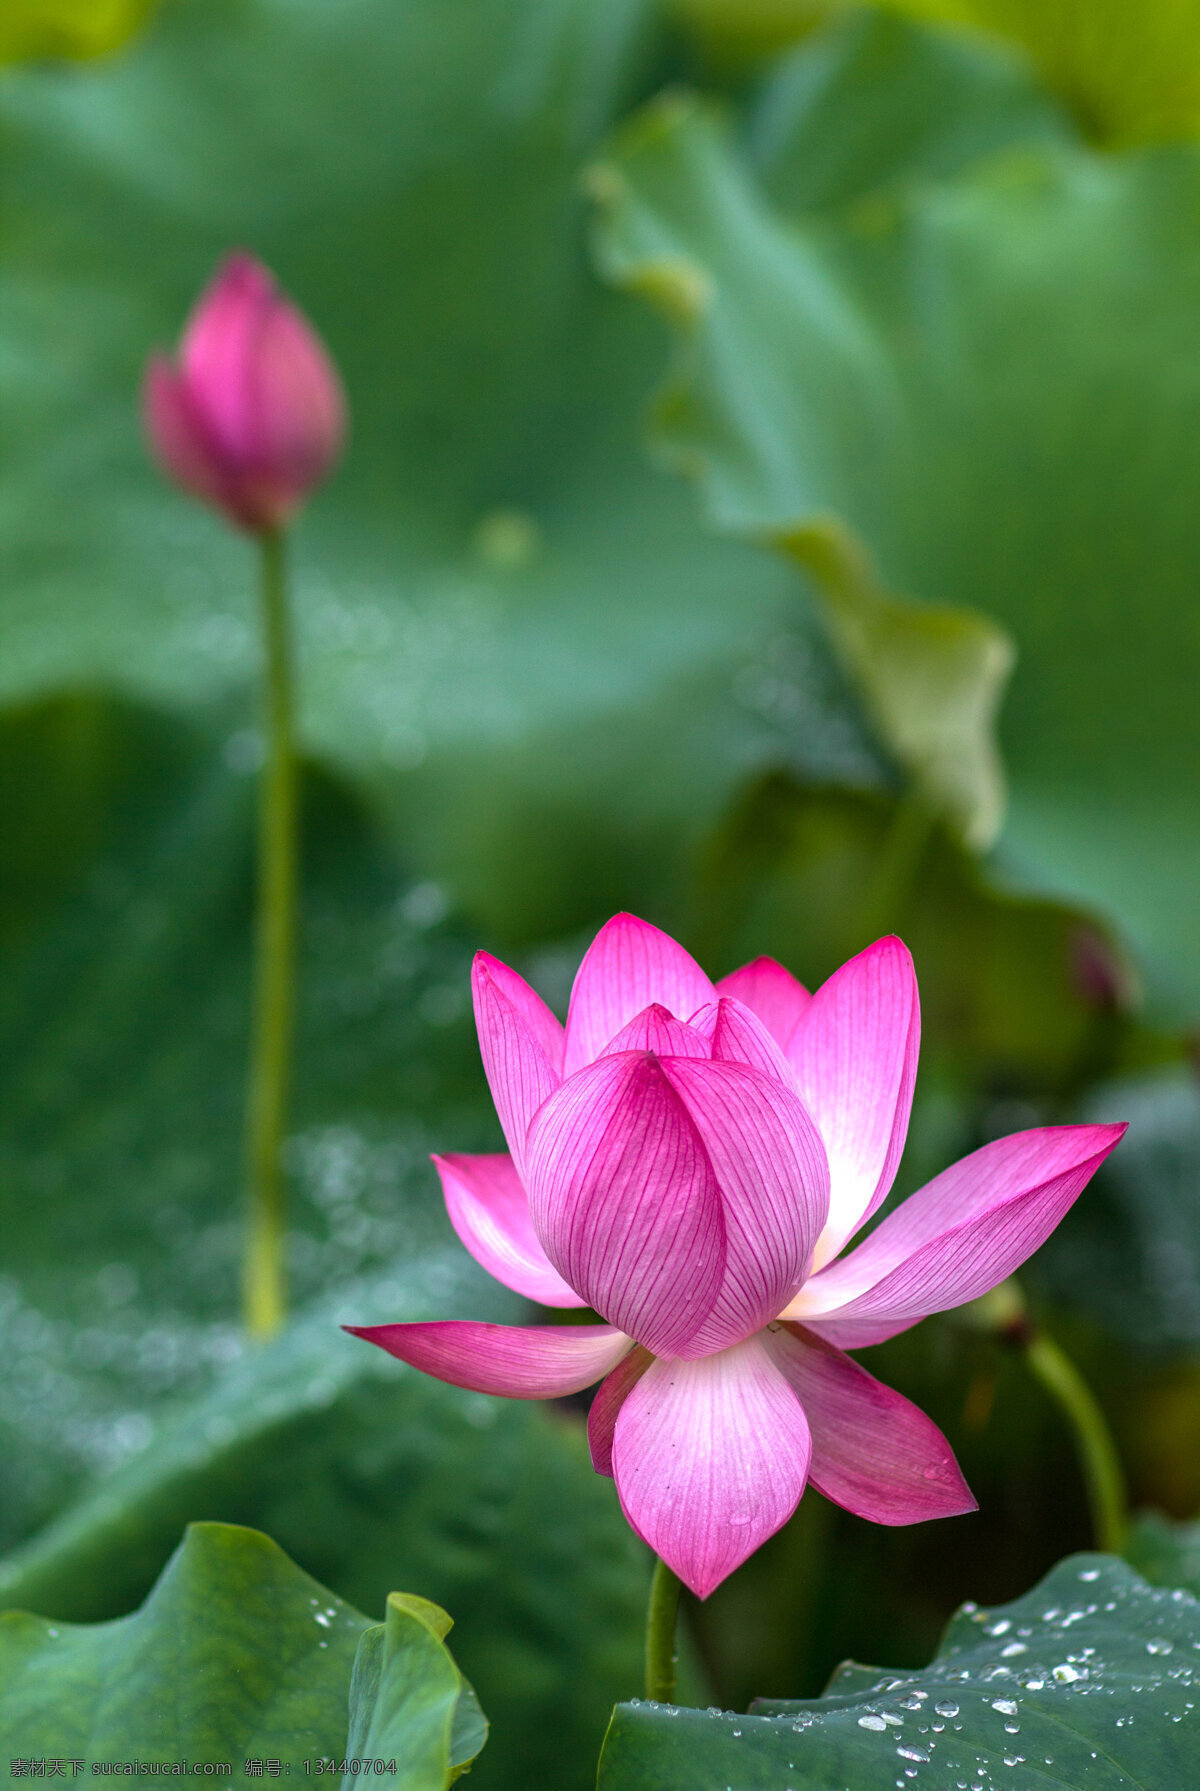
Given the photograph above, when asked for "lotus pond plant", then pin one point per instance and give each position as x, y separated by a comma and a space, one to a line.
250, 418
690, 1160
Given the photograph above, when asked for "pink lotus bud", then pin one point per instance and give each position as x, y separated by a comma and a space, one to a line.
251, 416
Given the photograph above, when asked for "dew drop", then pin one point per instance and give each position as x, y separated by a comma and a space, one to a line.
1159, 1645
946, 1708
871, 1722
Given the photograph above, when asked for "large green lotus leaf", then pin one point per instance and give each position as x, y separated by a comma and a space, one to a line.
409, 1704
375, 1476
513, 632
1085, 1684
990, 379
237, 1655
129, 1403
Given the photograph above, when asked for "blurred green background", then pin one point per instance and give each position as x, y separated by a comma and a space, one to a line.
771, 507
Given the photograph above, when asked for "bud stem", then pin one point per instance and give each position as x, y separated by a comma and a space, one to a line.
660, 1635
1093, 1440
264, 1273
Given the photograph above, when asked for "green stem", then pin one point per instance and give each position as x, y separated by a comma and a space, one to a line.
264, 1273
1093, 1439
660, 1635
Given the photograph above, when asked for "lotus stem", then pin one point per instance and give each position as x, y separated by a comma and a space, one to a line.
264, 1269
1097, 1452
660, 1635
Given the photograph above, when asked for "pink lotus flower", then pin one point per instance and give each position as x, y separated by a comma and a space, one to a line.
689, 1160
252, 416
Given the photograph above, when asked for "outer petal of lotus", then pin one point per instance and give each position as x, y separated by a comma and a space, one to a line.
179, 434
628, 966
770, 1169
710, 1458
957, 1237
854, 1051
605, 1408
519, 1073
515, 1361
874, 1452
301, 414
546, 1028
771, 992
489, 1209
625, 1201
219, 346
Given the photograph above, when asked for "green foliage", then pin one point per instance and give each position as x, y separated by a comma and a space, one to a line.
511, 635
969, 376
409, 1702
125, 955
1167, 1553
236, 1654
1130, 72
1019, 995
932, 679
1084, 1682
71, 28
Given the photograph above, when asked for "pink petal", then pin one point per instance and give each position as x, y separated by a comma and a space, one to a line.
736, 1035
873, 1451
299, 414
219, 342
178, 435
517, 1361
611, 1395
772, 993
710, 1458
854, 1052
519, 1073
546, 1028
628, 965
654, 1029
958, 1236
269, 396
489, 1209
769, 1165
625, 1201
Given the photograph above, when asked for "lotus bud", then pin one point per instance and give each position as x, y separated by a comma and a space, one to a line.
250, 417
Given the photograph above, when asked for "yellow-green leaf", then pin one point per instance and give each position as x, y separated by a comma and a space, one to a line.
931, 675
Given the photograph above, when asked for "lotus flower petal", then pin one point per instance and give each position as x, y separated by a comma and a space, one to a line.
625, 1200
957, 1237
854, 1051
710, 1458
611, 1395
654, 1029
628, 966
736, 1035
517, 1361
489, 1209
179, 434
519, 1073
769, 1165
873, 1452
264, 405
546, 1028
771, 992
